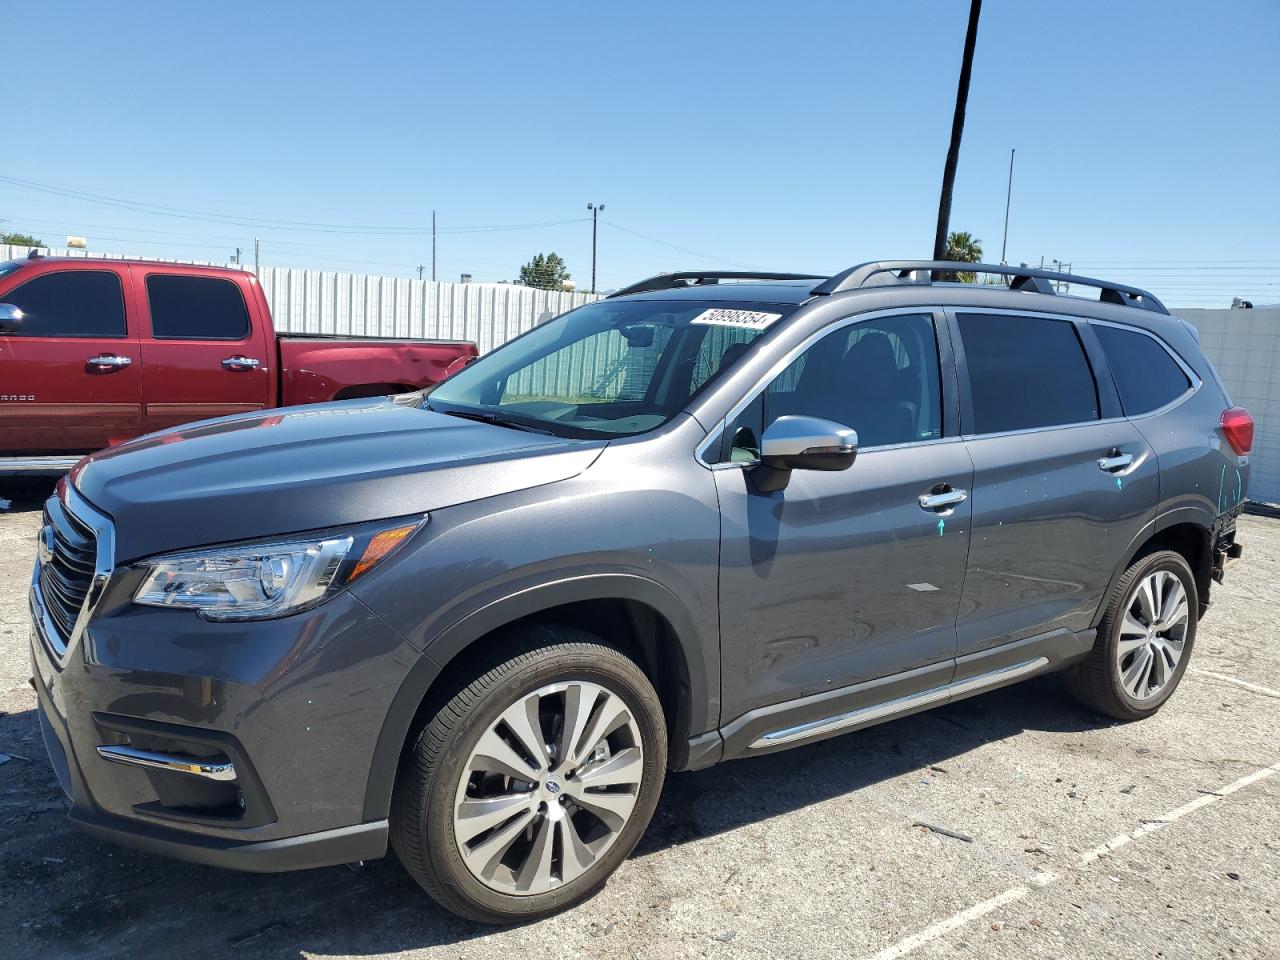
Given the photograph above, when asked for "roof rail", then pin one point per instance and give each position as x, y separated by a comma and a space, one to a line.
1024, 278
695, 278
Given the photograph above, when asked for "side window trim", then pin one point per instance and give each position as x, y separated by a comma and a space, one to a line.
714, 443
1195, 382
1105, 385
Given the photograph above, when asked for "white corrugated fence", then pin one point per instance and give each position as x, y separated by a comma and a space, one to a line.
321, 301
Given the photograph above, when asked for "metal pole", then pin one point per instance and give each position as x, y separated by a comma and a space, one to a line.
1004, 244
957, 132
433, 245
595, 209
257, 251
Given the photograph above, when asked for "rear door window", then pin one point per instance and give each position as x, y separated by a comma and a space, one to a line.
70, 303
1145, 374
196, 308
1026, 372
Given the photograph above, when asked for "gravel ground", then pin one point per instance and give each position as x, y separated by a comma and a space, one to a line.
1087, 837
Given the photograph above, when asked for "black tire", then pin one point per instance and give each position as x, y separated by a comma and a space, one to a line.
422, 809
1096, 680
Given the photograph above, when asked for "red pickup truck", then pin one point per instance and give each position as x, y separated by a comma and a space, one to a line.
94, 352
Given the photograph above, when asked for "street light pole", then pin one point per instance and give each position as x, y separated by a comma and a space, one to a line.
595, 209
1007, 197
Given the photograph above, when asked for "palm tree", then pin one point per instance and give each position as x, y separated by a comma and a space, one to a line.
957, 131
966, 248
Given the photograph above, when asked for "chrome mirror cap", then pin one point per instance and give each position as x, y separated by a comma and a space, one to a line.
795, 442
10, 317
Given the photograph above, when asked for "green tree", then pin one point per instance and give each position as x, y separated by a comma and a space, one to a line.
546, 272
21, 239
966, 248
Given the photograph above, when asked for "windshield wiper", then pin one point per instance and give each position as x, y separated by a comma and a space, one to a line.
497, 419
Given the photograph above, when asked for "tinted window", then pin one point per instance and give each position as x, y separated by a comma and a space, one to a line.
1026, 372
1146, 376
196, 308
76, 303
879, 377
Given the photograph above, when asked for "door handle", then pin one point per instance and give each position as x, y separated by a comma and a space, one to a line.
105, 362
1115, 461
943, 500
241, 363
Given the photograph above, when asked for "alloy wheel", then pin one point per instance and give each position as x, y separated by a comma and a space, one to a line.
1153, 635
548, 788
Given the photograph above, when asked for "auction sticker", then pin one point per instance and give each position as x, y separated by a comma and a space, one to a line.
751, 319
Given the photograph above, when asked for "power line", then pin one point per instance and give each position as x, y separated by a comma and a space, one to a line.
183, 213
676, 246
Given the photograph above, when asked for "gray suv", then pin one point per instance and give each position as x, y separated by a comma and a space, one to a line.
711, 516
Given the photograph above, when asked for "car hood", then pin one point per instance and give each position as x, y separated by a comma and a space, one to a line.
303, 468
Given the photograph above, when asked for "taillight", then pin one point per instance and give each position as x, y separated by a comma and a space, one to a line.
1237, 427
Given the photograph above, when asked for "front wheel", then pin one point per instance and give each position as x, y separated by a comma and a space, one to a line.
1144, 640
528, 788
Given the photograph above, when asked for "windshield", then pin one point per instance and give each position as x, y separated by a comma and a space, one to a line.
609, 369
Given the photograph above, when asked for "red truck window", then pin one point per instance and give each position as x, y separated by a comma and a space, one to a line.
196, 308
74, 303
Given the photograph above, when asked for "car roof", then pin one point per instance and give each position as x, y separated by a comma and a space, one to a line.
747, 291
132, 261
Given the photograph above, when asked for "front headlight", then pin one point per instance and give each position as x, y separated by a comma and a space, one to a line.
259, 581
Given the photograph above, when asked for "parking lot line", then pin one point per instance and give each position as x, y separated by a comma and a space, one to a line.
943, 927
1236, 681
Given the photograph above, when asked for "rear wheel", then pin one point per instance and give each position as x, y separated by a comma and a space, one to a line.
1144, 640
528, 788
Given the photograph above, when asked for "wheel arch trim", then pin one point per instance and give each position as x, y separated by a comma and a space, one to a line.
1179, 516
701, 702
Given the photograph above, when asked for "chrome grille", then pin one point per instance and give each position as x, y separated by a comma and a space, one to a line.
67, 576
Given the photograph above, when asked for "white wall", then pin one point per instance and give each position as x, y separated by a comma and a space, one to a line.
320, 301
1244, 346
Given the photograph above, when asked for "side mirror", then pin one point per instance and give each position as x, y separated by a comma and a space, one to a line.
10, 317
802, 443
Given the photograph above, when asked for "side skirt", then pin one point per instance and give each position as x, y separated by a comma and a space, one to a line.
844, 710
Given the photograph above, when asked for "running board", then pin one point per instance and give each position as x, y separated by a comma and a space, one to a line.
892, 708
36, 466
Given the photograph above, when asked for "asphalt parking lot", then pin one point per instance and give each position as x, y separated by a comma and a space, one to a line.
1067, 834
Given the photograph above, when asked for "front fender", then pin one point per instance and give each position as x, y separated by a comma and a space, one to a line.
700, 711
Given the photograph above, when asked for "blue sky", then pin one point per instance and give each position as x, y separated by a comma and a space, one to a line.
802, 136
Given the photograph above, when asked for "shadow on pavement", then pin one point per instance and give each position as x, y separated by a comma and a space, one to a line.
68, 895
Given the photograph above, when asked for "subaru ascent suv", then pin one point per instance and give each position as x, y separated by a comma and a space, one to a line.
711, 516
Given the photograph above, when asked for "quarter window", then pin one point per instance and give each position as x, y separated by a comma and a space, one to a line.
880, 377
196, 308
72, 303
1026, 372
1146, 376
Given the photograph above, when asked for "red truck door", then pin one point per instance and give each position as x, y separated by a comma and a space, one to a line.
70, 370
206, 351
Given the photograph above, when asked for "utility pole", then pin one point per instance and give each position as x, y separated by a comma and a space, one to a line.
595, 209
257, 256
1007, 197
957, 132
433, 245
420, 271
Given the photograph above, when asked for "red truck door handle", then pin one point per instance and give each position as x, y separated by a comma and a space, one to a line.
241, 363
106, 362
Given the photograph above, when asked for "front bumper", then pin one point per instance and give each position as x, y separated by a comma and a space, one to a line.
296, 705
